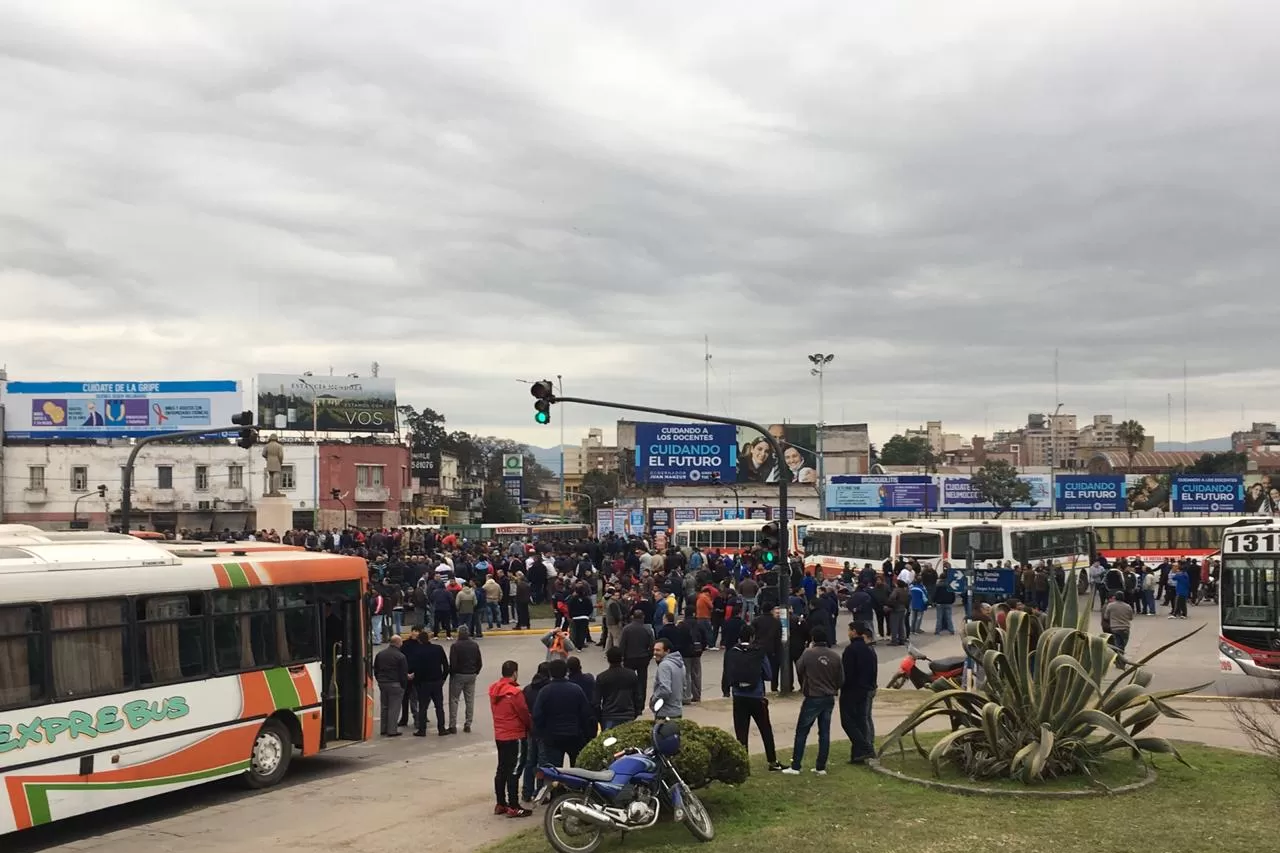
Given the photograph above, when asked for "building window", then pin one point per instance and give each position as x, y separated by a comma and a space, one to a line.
91, 652
170, 638
202, 478
164, 476
35, 477
368, 476
235, 476
79, 479
287, 478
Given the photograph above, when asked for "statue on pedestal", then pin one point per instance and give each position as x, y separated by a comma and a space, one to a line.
274, 454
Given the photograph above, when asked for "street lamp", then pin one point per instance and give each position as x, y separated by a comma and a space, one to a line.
737, 501
580, 495
560, 391
820, 362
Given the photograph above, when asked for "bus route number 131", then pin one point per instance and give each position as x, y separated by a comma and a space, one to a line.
1249, 543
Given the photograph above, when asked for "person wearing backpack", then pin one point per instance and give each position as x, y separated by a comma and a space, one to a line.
692, 654
746, 669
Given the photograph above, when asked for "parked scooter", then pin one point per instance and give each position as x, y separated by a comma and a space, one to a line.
627, 797
911, 669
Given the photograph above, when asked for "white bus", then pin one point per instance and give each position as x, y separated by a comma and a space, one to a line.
128, 669
831, 545
732, 536
1069, 544
1154, 540
1249, 601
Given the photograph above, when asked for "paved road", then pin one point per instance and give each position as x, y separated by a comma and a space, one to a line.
413, 789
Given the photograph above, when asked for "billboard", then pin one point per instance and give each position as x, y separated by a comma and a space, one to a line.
1262, 494
959, 494
891, 493
757, 463
1086, 493
686, 453
685, 515
604, 521
1147, 493
659, 519
341, 403
65, 410
1194, 493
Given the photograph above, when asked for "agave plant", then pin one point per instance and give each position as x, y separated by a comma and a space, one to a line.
1042, 707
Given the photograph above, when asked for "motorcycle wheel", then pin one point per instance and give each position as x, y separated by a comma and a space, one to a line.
568, 834
897, 681
696, 819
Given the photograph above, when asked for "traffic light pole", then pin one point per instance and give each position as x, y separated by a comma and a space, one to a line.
784, 543
126, 479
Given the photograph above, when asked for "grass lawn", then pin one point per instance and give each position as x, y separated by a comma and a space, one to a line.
1227, 804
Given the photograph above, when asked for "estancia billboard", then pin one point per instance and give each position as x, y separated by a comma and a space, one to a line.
287, 401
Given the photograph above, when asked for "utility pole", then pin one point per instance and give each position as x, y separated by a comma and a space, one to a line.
820, 362
706, 372
560, 390
783, 588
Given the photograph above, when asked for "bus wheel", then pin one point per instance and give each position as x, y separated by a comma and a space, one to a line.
272, 750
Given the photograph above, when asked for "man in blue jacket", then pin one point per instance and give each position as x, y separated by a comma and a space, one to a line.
857, 691
561, 714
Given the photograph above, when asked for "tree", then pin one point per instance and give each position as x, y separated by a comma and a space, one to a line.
498, 508
998, 483
598, 488
901, 450
1132, 435
1220, 463
427, 434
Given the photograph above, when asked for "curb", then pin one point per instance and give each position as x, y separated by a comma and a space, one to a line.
1014, 793
1212, 697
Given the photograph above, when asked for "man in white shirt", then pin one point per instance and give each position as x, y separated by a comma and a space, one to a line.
907, 576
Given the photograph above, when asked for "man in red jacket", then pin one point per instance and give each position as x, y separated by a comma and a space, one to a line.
511, 725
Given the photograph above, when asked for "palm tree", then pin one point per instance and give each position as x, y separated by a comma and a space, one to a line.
1133, 435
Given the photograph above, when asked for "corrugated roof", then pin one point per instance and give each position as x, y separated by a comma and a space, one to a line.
1149, 458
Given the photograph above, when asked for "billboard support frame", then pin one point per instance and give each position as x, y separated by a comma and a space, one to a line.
784, 571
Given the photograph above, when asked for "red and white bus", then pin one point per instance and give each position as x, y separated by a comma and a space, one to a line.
732, 536
128, 669
1249, 601
1154, 540
831, 545
1067, 543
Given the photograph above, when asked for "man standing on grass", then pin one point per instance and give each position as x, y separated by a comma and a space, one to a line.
511, 725
821, 674
858, 689
746, 671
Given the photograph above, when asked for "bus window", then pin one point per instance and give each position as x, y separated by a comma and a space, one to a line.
1249, 594
990, 546
1124, 539
733, 539
1183, 537
920, 545
877, 546
682, 539
717, 538
1155, 537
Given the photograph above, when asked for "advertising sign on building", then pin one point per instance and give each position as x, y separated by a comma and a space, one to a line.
622, 522
1087, 493
896, 493
659, 519
604, 521
731, 514
1262, 494
959, 493
512, 465
637, 522
709, 513
685, 515
1207, 494
286, 401
758, 513
776, 512
686, 453
514, 487
758, 464
64, 410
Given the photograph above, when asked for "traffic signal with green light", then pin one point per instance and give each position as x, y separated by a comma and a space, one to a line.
769, 543
248, 434
544, 395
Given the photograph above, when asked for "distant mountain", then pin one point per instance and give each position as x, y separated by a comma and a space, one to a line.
1208, 445
547, 457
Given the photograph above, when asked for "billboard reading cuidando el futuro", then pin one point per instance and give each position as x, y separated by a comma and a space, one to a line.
685, 453
286, 401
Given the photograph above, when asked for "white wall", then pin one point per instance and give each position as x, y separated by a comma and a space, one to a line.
105, 465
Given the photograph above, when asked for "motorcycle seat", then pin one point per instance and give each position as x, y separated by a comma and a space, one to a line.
589, 775
946, 664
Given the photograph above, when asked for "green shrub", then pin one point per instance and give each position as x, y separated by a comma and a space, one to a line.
1042, 708
707, 754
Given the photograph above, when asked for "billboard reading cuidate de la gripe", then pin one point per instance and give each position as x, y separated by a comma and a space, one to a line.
64, 410
341, 403
686, 453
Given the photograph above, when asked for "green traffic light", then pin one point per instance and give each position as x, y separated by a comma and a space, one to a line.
542, 417
768, 556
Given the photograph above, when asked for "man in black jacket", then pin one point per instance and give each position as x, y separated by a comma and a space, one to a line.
768, 632
410, 701
618, 697
428, 669
636, 643
861, 670
391, 671
561, 713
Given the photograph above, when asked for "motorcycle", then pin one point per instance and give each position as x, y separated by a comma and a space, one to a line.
629, 796
911, 670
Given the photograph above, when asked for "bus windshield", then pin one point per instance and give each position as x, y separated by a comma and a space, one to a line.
1249, 593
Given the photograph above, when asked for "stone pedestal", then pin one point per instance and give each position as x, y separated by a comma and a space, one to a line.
275, 513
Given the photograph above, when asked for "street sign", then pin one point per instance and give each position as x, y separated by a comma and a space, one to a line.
994, 583
957, 581
512, 465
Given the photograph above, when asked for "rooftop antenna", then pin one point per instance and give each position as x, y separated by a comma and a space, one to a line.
1056, 395
706, 373
373, 370
1184, 405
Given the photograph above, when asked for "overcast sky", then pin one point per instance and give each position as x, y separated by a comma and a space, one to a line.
938, 193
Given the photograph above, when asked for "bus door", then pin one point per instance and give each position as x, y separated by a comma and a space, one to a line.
344, 663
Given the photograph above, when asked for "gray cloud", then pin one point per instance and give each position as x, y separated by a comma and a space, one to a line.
940, 194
